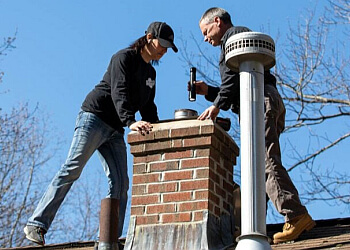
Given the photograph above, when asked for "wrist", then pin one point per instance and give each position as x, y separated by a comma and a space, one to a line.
130, 123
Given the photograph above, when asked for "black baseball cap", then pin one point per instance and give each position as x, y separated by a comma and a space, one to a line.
164, 33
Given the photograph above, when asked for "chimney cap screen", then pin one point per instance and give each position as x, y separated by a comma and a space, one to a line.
250, 46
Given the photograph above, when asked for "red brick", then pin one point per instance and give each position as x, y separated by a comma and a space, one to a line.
178, 217
215, 154
161, 134
138, 189
195, 163
191, 206
177, 143
179, 196
178, 175
217, 211
162, 208
201, 195
219, 191
207, 129
161, 166
215, 143
147, 220
147, 158
138, 138
157, 146
202, 152
232, 145
226, 152
137, 149
140, 168
230, 199
178, 155
162, 188
183, 132
194, 185
233, 161
214, 198
214, 177
198, 142
226, 206
228, 165
221, 171
220, 135
197, 215
211, 184
229, 176
201, 173
146, 178
145, 200
140, 210
211, 207
228, 186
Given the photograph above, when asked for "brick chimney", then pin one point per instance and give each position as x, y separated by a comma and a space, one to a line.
182, 191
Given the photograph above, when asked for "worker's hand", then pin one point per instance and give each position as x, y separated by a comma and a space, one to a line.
210, 113
142, 127
201, 87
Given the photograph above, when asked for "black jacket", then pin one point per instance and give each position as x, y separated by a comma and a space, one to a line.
127, 86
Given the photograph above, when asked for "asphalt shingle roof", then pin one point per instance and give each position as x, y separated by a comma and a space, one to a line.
328, 234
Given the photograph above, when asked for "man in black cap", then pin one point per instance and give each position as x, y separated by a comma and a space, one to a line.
127, 87
216, 27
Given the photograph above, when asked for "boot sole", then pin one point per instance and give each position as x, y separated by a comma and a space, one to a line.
307, 228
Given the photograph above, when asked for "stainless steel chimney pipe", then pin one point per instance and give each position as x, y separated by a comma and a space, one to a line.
251, 53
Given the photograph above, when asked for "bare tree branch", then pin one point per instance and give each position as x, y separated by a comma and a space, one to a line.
24, 150
317, 153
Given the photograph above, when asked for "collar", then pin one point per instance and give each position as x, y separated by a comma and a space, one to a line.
226, 35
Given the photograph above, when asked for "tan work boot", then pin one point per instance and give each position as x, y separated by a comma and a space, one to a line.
293, 228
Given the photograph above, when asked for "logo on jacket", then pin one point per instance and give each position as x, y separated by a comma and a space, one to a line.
150, 83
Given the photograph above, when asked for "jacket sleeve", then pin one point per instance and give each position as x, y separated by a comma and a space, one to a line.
212, 93
228, 94
229, 89
120, 68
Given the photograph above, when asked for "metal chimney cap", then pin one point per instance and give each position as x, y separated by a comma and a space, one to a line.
250, 46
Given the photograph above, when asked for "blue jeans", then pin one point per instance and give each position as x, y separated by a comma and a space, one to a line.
90, 134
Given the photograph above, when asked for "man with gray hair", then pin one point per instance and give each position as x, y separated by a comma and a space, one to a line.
216, 27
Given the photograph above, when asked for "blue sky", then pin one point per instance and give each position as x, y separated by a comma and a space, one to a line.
63, 49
